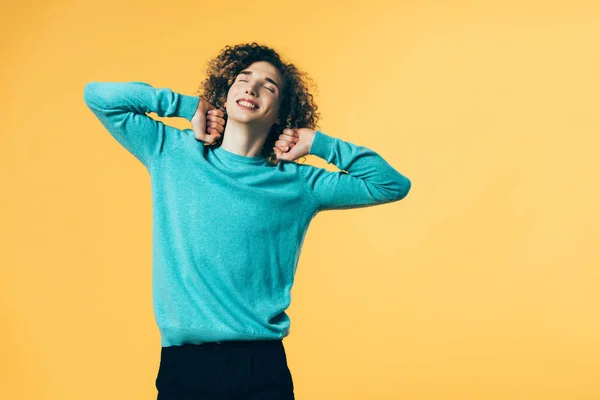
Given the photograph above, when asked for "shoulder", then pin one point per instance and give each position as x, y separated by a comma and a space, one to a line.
181, 143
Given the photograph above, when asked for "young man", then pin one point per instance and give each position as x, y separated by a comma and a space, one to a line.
229, 221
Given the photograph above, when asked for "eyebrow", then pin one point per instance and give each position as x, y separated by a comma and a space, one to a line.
248, 72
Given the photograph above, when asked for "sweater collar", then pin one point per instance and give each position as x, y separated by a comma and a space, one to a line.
238, 158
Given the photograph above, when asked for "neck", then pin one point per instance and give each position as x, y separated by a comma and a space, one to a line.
244, 139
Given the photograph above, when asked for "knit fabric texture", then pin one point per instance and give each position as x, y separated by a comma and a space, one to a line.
228, 229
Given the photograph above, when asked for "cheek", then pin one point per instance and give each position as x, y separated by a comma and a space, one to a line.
231, 100
275, 106
231, 94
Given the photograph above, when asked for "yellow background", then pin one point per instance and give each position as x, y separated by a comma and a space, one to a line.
483, 283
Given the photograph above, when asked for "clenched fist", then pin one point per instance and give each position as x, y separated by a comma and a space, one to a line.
208, 123
294, 143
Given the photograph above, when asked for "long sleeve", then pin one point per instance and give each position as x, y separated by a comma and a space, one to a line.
122, 106
365, 179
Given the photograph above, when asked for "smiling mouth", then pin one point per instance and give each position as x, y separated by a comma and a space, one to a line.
246, 108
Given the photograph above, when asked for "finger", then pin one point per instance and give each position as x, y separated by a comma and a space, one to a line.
283, 143
285, 146
214, 135
218, 120
278, 152
216, 126
288, 137
217, 113
290, 132
282, 155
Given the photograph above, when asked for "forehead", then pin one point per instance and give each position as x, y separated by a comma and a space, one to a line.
263, 69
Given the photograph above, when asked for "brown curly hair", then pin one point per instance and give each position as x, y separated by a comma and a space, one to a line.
297, 110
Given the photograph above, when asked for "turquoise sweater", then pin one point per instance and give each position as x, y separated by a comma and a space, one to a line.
228, 229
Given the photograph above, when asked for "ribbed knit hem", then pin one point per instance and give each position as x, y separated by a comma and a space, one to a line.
175, 336
187, 106
322, 145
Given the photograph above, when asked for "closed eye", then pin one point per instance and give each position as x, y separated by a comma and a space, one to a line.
271, 90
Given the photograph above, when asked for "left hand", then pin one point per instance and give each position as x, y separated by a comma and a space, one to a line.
294, 143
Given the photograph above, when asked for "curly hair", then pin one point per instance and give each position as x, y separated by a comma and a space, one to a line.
298, 108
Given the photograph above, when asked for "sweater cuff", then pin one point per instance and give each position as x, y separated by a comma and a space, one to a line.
322, 145
187, 106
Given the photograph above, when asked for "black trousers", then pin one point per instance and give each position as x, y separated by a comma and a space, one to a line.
232, 370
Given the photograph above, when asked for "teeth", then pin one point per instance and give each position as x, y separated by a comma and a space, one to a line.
246, 104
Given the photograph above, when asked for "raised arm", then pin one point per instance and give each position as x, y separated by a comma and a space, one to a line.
365, 179
122, 106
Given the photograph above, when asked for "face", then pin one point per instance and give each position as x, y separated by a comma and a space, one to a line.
261, 83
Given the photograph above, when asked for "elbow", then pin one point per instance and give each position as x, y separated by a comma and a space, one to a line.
391, 192
404, 186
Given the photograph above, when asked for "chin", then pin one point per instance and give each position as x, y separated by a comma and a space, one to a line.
241, 118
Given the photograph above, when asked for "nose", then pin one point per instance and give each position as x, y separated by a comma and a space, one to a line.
251, 87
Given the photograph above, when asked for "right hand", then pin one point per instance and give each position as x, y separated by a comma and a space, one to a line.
208, 123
